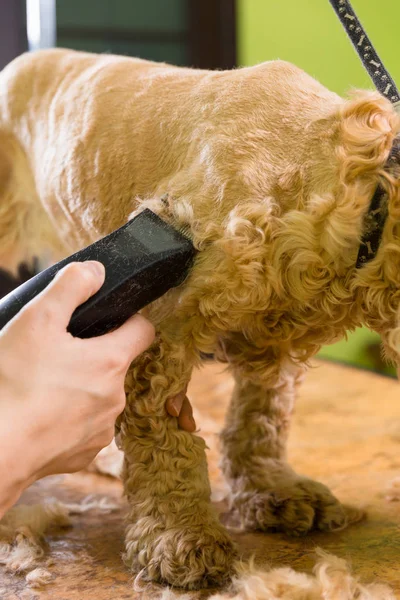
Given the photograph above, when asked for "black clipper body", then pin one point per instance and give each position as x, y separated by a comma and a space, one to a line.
143, 259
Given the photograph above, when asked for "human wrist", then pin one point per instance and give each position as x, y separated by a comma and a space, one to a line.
15, 475
18, 461
10, 494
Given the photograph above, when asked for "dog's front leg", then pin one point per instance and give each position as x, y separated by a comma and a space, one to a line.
266, 493
173, 535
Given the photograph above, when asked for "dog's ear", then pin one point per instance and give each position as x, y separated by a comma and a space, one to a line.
368, 125
361, 135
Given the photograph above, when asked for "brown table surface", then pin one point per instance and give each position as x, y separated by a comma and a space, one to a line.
346, 433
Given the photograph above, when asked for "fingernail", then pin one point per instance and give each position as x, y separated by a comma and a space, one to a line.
96, 267
176, 406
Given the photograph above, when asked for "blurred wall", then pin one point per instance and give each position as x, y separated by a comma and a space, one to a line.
152, 29
12, 30
308, 33
200, 33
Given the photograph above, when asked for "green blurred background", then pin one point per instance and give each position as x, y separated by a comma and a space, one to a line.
308, 34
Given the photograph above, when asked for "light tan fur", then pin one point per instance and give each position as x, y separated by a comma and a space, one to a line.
270, 175
23, 528
332, 579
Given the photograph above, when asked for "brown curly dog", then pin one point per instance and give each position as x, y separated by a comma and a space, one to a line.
270, 174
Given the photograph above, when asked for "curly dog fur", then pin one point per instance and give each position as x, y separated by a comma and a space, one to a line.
270, 174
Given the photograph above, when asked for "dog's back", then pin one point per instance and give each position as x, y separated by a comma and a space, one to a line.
102, 130
92, 136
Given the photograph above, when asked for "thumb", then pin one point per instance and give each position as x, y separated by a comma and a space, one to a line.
72, 286
131, 339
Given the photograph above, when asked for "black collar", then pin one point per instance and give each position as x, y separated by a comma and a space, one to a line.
377, 213
375, 219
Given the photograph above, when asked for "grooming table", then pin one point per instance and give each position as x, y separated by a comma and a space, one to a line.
346, 433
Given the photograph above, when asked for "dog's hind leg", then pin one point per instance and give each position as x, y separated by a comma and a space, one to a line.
266, 493
26, 233
173, 535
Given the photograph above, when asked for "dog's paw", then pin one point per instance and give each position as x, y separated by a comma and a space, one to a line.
191, 557
294, 507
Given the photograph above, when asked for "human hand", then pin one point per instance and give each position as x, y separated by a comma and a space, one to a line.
60, 395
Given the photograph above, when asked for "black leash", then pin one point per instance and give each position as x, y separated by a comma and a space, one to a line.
377, 213
365, 50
